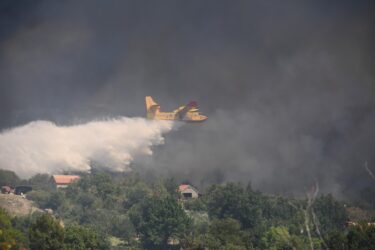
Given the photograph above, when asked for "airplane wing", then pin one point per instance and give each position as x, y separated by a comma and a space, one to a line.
182, 112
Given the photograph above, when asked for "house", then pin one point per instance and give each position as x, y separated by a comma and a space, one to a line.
188, 191
62, 181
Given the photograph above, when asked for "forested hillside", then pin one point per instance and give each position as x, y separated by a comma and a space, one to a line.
103, 211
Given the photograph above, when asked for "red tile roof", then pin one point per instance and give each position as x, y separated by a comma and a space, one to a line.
65, 179
183, 187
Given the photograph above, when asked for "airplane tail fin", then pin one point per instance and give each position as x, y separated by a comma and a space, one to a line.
152, 107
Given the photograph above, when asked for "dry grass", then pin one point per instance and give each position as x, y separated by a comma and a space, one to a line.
16, 205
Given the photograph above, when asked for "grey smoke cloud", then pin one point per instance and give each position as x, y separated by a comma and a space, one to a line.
288, 86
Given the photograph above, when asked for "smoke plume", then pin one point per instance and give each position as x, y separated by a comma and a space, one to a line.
44, 147
288, 86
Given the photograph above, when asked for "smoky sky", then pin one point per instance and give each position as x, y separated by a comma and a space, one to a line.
288, 86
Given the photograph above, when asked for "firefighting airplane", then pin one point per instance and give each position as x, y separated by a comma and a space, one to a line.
188, 113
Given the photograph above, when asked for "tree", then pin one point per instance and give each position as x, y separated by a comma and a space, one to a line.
136, 194
41, 182
122, 227
361, 237
330, 213
10, 238
8, 178
222, 234
40, 197
227, 232
47, 199
336, 240
232, 201
56, 200
82, 238
278, 238
46, 233
160, 220
172, 187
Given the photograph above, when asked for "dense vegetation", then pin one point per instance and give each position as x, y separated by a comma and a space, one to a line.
101, 211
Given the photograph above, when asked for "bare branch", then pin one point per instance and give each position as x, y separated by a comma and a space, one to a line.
369, 171
308, 228
316, 224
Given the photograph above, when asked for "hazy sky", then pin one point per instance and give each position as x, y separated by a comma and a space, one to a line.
289, 86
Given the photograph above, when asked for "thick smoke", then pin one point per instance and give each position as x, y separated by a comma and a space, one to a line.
288, 86
44, 147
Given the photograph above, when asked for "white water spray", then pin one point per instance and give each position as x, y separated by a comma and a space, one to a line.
44, 147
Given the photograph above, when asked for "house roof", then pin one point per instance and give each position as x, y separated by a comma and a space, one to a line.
183, 187
65, 179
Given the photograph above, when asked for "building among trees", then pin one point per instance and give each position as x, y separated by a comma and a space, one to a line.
188, 191
62, 181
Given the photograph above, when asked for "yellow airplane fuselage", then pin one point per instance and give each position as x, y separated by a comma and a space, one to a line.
154, 113
189, 117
